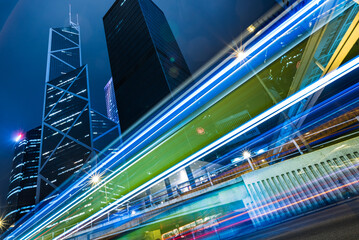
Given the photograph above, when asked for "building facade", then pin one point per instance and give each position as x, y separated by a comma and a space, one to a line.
23, 178
111, 106
146, 62
72, 132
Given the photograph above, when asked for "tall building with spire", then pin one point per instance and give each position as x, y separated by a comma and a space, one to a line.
72, 132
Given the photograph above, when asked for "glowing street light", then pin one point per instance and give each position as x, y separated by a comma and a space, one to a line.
251, 28
2, 223
95, 179
247, 155
240, 55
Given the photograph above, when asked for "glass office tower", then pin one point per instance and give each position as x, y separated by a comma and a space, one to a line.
23, 178
145, 59
111, 106
64, 51
72, 132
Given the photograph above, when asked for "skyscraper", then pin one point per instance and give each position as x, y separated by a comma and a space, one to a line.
72, 132
23, 178
111, 106
145, 59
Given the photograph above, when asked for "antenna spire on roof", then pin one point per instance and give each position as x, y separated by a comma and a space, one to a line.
72, 24
70, 18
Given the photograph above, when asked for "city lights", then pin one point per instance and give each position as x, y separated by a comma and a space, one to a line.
260, 151
251, 28
2, 223
18, 137
246, 154
240, 55
237, 159
155, 145
95, 179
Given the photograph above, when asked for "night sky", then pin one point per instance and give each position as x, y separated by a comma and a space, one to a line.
201, 27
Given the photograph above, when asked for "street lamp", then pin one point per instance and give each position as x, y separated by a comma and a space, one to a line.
247, 155
251, 28
2, 223
95, 179
240, 55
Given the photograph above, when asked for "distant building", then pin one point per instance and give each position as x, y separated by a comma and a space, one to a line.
23, 178
72, 132
145, 59
111, 106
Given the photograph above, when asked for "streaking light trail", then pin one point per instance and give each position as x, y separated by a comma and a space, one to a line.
305, 200
176, 112
320, 84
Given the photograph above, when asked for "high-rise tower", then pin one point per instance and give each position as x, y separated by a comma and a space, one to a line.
111, 106
72, 132
23, 178
145, 59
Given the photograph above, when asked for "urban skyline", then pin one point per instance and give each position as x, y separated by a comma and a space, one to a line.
264, 137
259, 140
214, 32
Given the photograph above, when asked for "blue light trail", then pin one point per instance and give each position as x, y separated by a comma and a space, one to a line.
211, 86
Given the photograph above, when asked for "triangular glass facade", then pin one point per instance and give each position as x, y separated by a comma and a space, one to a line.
59, 41
67, 124
70, 126
58, 67
65, 81
79, 87
81, 126
69, 32
52, 97
50, 140
104, 131
69, 56
64, 55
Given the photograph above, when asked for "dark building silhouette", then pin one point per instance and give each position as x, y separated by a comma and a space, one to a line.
23, 178
145, 59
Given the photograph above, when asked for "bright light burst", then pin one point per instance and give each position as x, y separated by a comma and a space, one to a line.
246, 154
285, 104
240, 55
18, 137
260, 151
95, 179
251, 28
2, 223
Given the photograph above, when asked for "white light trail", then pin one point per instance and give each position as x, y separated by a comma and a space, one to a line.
264, 42
320, 84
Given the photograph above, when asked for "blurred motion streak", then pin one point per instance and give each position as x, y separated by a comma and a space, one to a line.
290, 100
